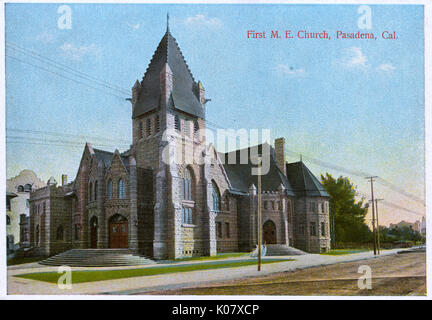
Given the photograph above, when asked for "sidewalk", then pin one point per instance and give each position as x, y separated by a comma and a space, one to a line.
21, 286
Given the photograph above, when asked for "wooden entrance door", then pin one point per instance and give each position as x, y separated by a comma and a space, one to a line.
269, 232
118, 232
93, 233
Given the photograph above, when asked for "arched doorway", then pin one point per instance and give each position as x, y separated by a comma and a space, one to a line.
93, 232
118, 232
269, 232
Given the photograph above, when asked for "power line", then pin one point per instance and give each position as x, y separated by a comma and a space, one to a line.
63, 76
35, 55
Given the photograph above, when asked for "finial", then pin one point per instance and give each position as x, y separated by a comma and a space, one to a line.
167, 21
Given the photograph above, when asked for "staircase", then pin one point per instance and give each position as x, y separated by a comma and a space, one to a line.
96, 258
282, 250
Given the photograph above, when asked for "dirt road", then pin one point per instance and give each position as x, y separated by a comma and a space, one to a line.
399, 274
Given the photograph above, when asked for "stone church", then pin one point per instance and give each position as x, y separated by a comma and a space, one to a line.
147, 200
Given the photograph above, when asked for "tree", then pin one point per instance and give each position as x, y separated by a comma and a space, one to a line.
348, 213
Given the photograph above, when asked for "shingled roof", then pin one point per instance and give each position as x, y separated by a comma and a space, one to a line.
241, 178
184, 86
303, 181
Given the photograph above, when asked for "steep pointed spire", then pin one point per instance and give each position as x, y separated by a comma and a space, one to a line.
167, 22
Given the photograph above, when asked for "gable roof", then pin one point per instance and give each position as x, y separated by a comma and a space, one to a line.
106, 157
303, 181
241, 178
183, 93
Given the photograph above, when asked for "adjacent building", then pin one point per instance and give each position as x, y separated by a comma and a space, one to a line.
17, 207
171, 195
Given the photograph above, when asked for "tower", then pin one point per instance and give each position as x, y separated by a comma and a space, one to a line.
168, 122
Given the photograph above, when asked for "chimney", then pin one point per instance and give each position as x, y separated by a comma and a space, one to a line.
64, 179
280, 154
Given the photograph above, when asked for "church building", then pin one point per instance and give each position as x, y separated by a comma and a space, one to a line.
148, 201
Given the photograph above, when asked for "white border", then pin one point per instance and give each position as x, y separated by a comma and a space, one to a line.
428, 153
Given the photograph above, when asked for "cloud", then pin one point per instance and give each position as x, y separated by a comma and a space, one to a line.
386, 67
287, 70
45, 37
76, 53
203, 20
354, 57
134, 26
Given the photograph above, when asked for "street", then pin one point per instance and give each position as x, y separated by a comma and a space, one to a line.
397, 274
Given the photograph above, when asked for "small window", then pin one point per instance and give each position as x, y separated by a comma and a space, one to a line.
302, 229
76, 231
187, 217
90, 192
95, 190
110, 189
312, 229
219, 229
227, 202
20, 189
196, 128
27, 187
8, 220
177, 123
59, 233
227, 229
265, 205
273, 205
157, 123
121, 193
148, 127
323, 231
187, 128
141, 130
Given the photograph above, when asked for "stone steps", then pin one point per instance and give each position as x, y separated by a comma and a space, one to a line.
282, 250
97, 258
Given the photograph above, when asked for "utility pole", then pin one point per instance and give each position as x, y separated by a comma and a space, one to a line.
378, 234
259, 214
371, 179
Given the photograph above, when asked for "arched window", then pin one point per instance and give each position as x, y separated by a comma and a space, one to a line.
186, 185
109, 189
177, 123
59, 233
8, 220
216, 197
91, 192
187, 128
20, 189
120, 189
27, 187
95, 190
186, 193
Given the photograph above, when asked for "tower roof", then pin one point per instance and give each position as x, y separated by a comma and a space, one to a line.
183, 92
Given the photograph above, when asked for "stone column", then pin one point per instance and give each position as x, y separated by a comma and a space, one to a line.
208, 216
102, 226
133, 221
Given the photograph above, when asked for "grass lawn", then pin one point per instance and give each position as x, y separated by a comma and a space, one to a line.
337, 252
100, 275
15, 261
216, 257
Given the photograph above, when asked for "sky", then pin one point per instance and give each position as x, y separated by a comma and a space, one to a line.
355, 105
